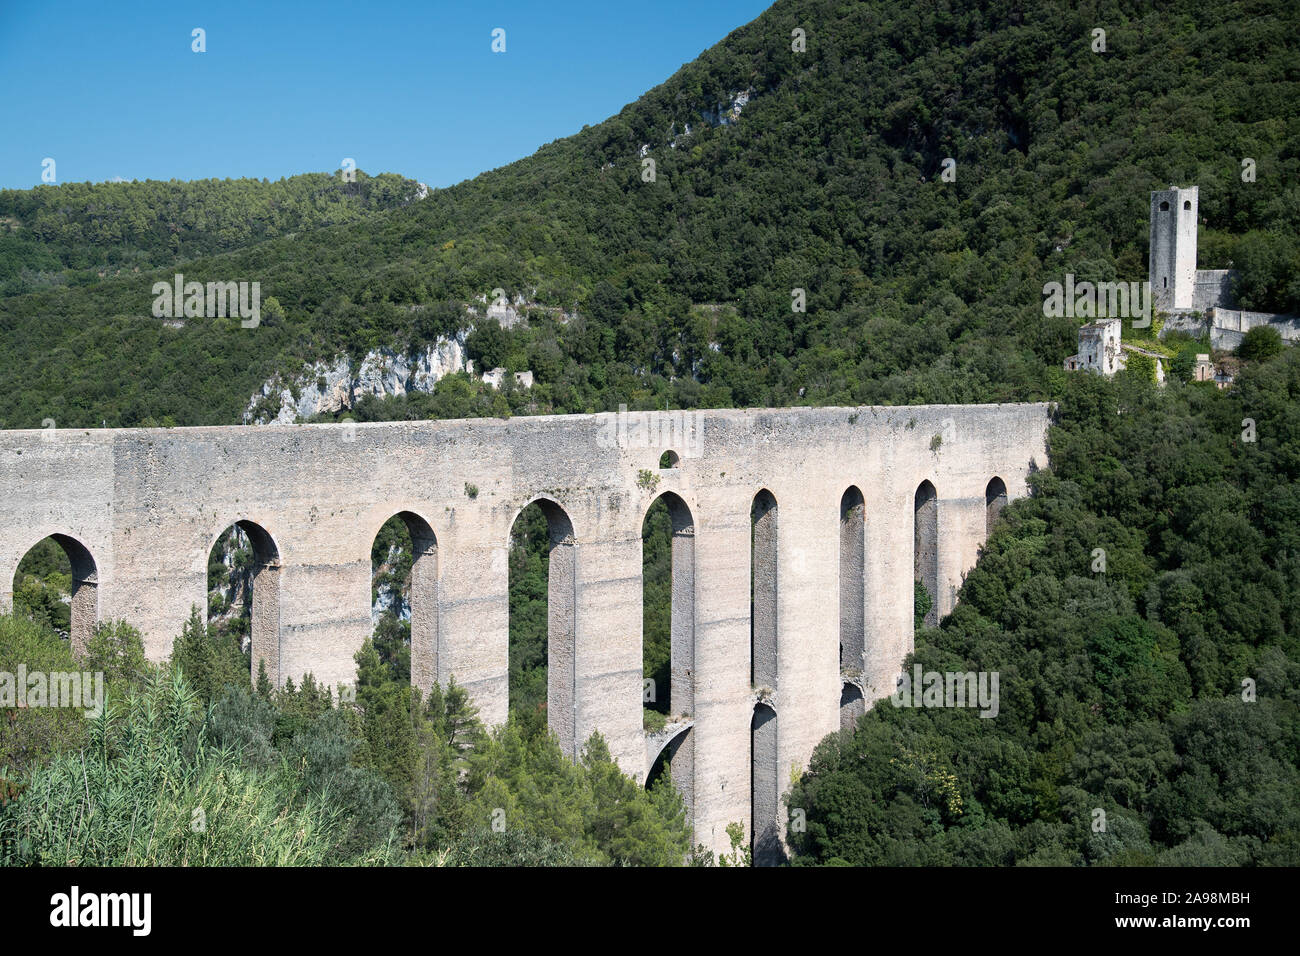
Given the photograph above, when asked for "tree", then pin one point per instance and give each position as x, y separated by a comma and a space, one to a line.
210, 659
1260, 343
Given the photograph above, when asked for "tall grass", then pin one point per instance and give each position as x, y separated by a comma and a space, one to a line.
147, 791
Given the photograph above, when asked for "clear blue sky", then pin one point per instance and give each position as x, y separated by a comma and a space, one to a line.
113, 89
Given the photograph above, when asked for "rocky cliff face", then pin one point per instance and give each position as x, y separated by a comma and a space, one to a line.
724, 114
327, 387
330, 387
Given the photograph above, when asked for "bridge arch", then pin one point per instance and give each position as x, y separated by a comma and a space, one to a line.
83, 614
995, 499
852, 581
561, 634
925, 544
681, 628
665, 750
764, 594
421, 587
258, 568
852, 705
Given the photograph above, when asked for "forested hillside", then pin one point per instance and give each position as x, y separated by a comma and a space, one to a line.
78, 233
1160, 690
827, 180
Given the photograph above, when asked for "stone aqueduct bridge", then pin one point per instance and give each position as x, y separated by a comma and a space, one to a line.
797, 536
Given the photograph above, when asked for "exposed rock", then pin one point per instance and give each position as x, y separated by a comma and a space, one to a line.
497, 376
724, 114
323, 388
329, 387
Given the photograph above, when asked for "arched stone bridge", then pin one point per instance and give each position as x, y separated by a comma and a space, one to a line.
797, 536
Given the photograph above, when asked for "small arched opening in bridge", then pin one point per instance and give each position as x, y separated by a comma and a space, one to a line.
852, 705
543, 619
670, 760
244, 595
668, 624
764, 788
668, 460
763, 591
995, 499
926, 546
404, 598
57, 584
853, 531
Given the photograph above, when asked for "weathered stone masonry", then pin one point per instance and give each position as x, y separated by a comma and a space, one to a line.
139, 511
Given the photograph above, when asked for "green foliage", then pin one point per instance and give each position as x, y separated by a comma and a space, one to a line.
922, 604
741, 854
656, 609
210, 659
1122, 691
31, 735
74, 233
1268, 271
1141, 367
1261, 342
117, 650
392, 556
230, 587
486, 847
146, 791
521, 780
677, 293
1183, 365
282, 777
43, 586
529, 587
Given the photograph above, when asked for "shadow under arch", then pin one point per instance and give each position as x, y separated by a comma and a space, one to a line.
995, 499
668, 757
852, 705
925, 545
763, 590
852, 581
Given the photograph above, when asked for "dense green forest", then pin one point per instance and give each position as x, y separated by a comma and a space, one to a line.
917, 289
191, 764
1163, 691
78, 233
1122, 690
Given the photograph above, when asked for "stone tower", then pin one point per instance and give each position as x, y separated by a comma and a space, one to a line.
1173, 248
